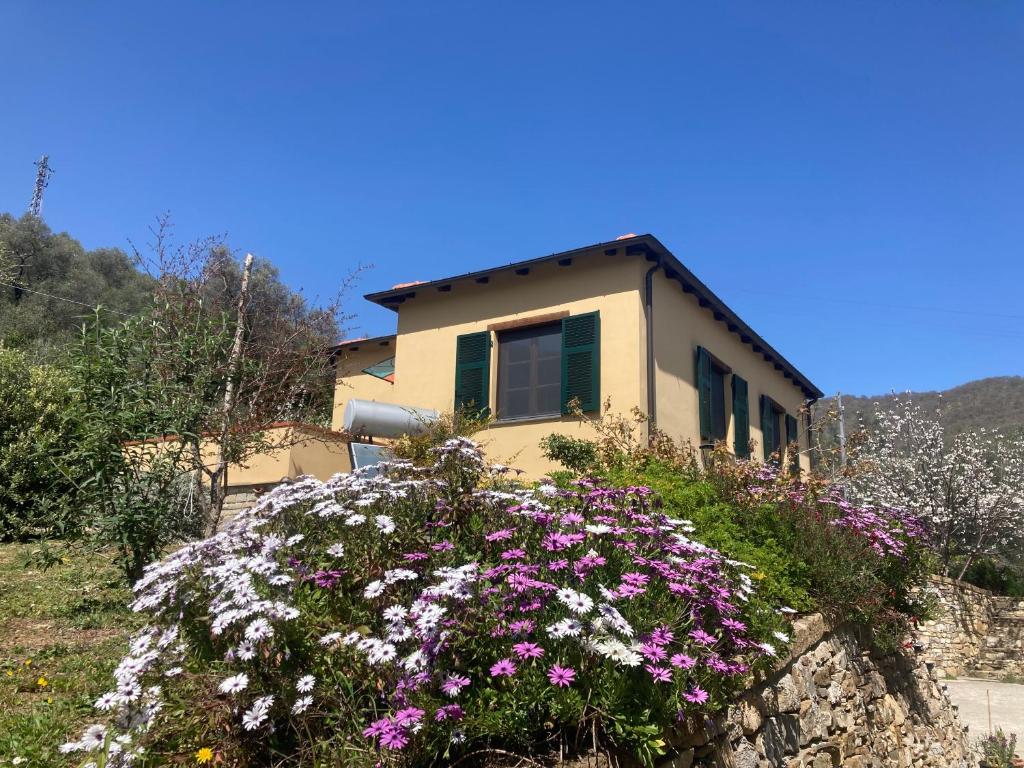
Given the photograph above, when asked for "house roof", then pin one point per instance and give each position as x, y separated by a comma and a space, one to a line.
353, 344
640, 245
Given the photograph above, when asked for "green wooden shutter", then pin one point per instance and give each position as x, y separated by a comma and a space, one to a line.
769, 425
473, 373
581, 361
792, 443
703, 378
740, 418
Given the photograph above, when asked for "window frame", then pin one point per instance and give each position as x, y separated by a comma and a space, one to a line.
501, 380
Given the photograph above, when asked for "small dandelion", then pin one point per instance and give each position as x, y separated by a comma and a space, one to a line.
204, 755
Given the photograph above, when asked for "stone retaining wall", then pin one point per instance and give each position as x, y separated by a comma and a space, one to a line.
973, 632
241, 497
953, 639
833, 703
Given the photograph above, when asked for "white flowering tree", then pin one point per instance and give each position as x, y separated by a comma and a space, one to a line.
968, 488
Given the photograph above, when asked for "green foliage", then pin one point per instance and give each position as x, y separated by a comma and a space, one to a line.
757, 535
419, 448
66, 625
136, 387
577, 455
996, 403
38, 419
799, 536
996, 577
998, 749
39, 262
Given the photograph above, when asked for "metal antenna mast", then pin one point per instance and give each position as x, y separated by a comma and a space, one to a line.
43, 174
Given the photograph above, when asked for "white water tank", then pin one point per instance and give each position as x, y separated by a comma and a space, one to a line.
366, 417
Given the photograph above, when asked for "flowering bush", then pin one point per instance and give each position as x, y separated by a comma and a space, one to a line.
424, 612
812, 548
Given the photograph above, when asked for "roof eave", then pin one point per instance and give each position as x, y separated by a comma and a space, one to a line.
650, 246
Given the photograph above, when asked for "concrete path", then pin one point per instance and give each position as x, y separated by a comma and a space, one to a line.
1007, 707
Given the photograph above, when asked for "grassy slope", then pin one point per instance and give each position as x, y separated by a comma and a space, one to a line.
67, 625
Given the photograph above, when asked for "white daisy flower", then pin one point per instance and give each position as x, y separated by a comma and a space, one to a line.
565, 628
768, 648
577, 602
259, 629
246, 651
336, 550
301, 705
234, 684
107, 701
384, 524
373, 589
257, 714
396, 614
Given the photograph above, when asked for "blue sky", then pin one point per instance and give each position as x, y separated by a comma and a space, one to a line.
849, 177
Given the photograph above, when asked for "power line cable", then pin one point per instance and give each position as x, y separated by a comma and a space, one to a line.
61, 298
880, 305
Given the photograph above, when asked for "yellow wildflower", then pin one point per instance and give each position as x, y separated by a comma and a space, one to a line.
42, 682
28, 662
204, 755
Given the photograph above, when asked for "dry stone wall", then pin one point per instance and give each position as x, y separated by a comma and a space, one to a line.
973, 632
240, 497
833, 703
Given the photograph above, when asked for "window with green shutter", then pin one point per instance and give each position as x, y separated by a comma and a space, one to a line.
581, 361
710, 376
770, 437
473, 373
792, 443
740, 418
703, 380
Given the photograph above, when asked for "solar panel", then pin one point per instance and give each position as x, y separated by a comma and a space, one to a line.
368, 455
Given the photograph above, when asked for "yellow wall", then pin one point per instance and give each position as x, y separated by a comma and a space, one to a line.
303, 451
352, 384
680, 326
429, 324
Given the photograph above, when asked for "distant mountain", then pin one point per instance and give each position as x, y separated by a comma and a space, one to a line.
994, 403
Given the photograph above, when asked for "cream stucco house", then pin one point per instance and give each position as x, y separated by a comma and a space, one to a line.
623, 320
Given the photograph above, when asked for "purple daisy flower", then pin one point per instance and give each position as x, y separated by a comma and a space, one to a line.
454, 684
682, 661
528, 650
394, 738
696, 695
563, 677
503, 668
658, 673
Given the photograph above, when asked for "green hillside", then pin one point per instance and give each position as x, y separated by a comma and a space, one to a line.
993, 403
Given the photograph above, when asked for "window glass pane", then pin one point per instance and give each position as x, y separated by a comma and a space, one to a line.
549, 343
517, 403
517, 350
518, 375
530, 371
549, 371
549, 398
